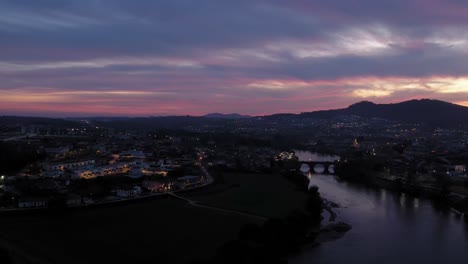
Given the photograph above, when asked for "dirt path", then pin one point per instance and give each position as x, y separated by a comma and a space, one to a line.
195, 203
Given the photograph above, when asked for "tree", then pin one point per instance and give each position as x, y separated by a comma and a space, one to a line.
34, 168
443, 181
178, 172
314, 204
411, 172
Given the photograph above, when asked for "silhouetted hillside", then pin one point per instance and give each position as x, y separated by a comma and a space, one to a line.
225, 116
432, 112
24, 120
428, 111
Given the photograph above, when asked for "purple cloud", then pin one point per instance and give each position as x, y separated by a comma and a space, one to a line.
194, 57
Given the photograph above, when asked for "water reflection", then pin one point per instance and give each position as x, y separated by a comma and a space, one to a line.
388, 227
319, 168
304, 168
402, 200
383, 195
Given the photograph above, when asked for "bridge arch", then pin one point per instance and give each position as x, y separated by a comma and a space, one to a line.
319, 167
305, 168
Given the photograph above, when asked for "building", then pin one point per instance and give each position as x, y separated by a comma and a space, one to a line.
32, 203
128, 192
71, 165
460, 168
158, 185
115, 168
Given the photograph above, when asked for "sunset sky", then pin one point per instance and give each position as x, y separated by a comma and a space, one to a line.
153, 57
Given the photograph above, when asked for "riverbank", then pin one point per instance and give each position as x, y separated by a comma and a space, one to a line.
457, 203
157, 227
387, 227
360, 171
328, 206
330, 231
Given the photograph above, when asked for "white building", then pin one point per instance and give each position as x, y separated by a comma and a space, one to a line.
71, 165
158, 186
128, 192
32, 203
94, 172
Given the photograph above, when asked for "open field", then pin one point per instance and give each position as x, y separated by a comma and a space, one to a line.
163, 230
160, 230
269, 195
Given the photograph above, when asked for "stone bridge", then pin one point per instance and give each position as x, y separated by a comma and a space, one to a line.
320, 167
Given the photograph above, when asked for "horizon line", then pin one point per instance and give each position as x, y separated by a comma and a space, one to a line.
211, 113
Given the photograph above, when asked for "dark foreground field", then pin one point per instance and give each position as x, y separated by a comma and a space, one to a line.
269, 195
157, 231
162, 230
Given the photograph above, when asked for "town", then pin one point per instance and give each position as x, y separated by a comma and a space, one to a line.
80, 162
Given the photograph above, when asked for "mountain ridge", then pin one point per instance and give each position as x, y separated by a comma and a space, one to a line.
225, 116
428, 111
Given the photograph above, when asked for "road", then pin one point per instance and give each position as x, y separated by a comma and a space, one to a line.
210, 180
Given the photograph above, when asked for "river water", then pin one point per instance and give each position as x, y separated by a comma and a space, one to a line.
388, 227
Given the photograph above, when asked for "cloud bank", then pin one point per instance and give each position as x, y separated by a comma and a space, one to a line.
177, 57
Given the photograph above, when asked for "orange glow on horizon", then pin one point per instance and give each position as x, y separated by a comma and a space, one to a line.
261, 96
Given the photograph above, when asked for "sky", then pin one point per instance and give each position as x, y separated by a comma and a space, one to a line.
193, 57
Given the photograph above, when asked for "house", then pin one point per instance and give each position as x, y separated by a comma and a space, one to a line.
93, 172
32, 203
460, 168
158, 185
128, 192
71, 165
74, 200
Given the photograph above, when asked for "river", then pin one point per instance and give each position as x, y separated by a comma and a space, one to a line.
388, 227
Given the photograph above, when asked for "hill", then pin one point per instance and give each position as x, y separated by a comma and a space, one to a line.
427, 111
225, 116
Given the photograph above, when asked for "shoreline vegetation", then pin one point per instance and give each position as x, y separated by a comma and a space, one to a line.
361, 172
277, 239
324, 232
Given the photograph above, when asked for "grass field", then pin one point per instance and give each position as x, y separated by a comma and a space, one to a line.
163, 230
269, 195
156, 231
